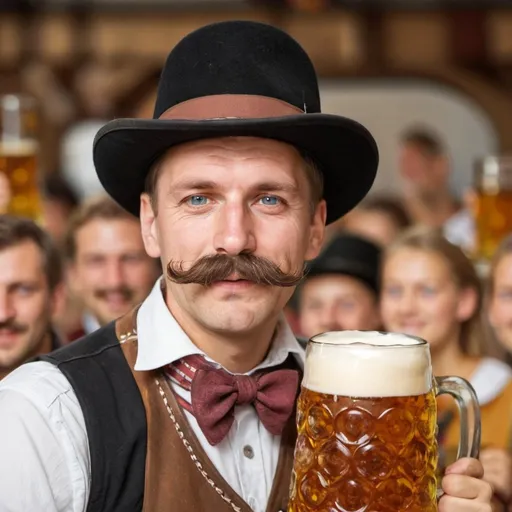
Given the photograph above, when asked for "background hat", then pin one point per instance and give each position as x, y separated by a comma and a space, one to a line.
349, 255
238, 78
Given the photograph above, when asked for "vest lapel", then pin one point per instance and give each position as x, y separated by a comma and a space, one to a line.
179, 475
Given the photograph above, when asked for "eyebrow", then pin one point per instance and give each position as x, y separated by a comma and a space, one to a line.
195, 185
261, 187
277, 186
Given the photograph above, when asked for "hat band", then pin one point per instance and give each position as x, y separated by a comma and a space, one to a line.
226, 106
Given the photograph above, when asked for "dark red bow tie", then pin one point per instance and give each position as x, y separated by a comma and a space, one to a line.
215, 393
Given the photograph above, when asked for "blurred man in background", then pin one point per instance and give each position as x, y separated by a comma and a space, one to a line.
108, 266
59, 202
424, 166
341, 288
31, 291
379, 219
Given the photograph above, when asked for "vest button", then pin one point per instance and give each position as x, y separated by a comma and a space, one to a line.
248, 452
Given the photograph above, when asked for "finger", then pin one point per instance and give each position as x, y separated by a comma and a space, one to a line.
466, 466
462, 486
451, 504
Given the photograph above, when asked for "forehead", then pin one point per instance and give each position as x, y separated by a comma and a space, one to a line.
504, 269
108, 234
230, 154
414, 149
21, 261
417, 262
333, 284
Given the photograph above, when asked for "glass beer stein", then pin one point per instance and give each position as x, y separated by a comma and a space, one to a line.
367, 422
493, 205
19, 187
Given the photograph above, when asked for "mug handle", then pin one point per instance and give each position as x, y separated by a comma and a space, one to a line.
469, 410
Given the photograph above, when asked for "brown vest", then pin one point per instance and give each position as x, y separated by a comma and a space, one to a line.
179, 475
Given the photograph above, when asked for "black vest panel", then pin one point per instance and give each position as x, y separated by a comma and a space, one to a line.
114, 415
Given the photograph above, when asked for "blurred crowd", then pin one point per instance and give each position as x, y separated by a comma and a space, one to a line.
396, 263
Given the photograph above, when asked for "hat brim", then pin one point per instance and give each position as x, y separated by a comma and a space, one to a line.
124, 150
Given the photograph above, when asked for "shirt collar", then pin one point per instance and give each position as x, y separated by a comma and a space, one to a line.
90, 323
489, 379
162, 341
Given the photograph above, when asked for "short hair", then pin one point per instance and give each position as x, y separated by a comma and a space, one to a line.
57, 188
389, 206
98, 207
15, 230
426, 140
312, 167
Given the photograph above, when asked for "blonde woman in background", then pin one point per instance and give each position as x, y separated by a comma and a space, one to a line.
430, 289
499, 296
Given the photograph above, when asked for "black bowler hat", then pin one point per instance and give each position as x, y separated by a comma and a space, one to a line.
349, 255
238, 78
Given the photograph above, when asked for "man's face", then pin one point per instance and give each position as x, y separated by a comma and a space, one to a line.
335, 302
373, 225
421, 172
26, 304
231, 196
111, 272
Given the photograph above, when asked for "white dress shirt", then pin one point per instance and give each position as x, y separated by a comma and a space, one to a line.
44, 451
89, 323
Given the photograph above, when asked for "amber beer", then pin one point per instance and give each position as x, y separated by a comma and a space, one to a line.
18, 163
493, 205
366, 420
19, 177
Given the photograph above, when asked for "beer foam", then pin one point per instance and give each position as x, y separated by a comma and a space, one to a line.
367, 364
18, 148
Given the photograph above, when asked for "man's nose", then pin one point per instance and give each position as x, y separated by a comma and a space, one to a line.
234, 230
7, 311
328, 319
114, 276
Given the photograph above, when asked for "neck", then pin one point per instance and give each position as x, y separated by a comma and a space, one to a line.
450, 360
430, 209
237, 352
42, 348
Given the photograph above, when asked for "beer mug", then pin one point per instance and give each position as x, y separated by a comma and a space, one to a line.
19, 179
367, 422
493, 205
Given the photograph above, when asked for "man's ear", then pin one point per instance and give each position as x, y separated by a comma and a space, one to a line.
148, 226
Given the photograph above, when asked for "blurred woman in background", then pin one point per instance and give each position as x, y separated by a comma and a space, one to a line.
499, 296
430, 289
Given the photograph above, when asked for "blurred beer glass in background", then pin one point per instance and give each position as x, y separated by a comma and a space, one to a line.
493, 204
18, 156
367, 422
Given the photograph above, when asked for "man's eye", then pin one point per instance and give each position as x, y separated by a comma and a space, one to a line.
270, 200
198, 200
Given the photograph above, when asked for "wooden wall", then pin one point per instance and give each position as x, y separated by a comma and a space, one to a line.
106, 64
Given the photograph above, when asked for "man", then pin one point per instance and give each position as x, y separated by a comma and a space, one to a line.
341, 288
109, 269
379, 219
135, 415
58, 204
424, 167
30, 292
